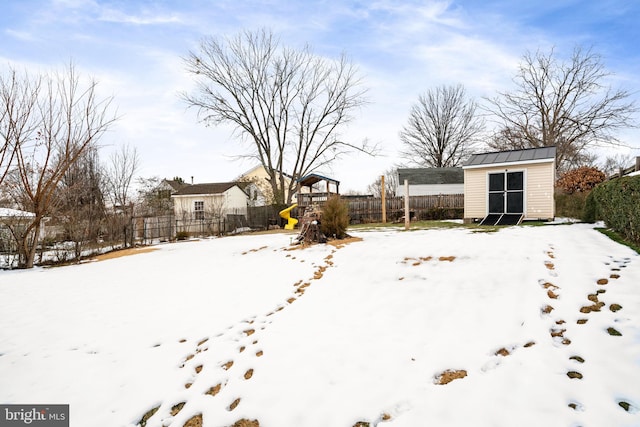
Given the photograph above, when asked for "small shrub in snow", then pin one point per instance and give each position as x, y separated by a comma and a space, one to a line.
335, 218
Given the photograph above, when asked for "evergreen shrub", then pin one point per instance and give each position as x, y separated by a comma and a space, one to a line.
617, 203
335, 218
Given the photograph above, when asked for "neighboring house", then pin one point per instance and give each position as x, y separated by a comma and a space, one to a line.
431, 181
210, 208
507, 187
259, 176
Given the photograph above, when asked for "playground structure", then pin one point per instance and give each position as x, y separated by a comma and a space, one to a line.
286, 214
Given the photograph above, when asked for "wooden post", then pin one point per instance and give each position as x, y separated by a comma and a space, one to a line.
384, 200
407, 220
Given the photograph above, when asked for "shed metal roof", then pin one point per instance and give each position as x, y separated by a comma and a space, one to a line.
431, 176
512, 156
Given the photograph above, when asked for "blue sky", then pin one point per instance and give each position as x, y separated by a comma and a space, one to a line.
402, 48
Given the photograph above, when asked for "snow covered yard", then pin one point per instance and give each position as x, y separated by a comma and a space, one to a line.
542, 324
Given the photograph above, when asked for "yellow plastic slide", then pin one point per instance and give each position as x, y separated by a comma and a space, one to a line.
286, 214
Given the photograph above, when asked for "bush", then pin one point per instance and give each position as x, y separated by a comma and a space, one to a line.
589, 212
617, 202
580, 180
335, 218
570, 205
182, 235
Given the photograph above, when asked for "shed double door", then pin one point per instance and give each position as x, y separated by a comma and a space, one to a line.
506, 193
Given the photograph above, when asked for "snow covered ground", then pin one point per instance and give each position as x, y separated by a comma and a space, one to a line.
245, 328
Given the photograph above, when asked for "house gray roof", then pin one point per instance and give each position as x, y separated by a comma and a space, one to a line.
512, 156
430, 176
207, 188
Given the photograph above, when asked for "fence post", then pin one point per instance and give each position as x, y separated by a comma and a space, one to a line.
407, 218
384, 200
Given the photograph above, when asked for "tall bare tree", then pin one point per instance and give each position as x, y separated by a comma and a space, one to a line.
53, 119
566, 104
443, 128
80, 205
288, 104
119, 173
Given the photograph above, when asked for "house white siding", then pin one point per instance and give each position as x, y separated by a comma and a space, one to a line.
208, 213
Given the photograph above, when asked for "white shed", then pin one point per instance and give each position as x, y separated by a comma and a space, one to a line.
507, 187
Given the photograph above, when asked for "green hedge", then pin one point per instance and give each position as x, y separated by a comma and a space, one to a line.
617, 203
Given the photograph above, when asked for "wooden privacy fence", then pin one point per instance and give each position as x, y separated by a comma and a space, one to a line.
441, 206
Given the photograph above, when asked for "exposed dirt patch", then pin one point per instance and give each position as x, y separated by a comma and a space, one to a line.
249, 332
254, 250
123, 252
339, 243
195, 421
614, 276
502, 352
530, 344
582, 321
574, 375
615, 307
198, 369
447, 258
248, 374
577, 359
602, 281
546, 309
589, 308
549, 265
147, 415
175, 409
214, 390
259, 353
227, 365
614, 332
624, 405
234, 404
450, 375
551, 295
246, 423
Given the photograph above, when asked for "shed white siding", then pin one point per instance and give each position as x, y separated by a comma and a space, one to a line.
539, 184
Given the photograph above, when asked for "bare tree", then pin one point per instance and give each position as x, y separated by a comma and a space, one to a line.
80, 205
390, 184
119, 173
59, 119
615, 163
288, 104
565, 104
18, 98
442, 129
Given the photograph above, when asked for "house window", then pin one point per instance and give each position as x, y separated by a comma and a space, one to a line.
198, 210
